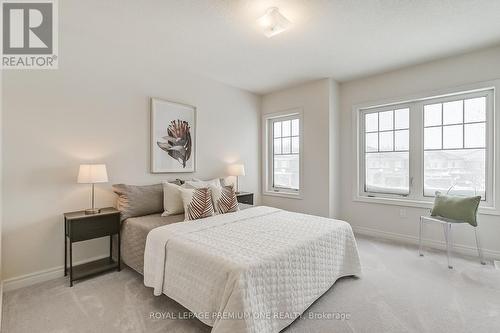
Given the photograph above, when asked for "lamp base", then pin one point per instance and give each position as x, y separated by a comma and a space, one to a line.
92, 211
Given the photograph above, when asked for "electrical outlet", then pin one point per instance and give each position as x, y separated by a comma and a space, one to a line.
402, 212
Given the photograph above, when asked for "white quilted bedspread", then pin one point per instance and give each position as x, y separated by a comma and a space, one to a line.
250, 271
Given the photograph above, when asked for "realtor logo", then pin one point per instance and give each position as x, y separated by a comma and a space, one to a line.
29, 34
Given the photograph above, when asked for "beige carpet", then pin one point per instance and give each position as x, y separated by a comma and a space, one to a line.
399, 292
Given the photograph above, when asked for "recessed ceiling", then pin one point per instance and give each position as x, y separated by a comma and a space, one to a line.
343, 39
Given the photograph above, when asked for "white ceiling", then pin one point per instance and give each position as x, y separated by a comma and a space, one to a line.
343, 39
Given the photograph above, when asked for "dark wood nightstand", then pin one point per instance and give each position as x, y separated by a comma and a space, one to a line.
245, 197
79, 227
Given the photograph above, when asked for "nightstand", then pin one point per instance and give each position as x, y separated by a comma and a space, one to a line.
78, 227
245, 197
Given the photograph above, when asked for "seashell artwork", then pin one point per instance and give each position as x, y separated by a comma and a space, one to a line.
172, 137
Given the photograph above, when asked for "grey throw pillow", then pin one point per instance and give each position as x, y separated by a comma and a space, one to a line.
136, 200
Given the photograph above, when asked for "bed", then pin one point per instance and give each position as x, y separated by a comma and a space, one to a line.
255, 270
133, 237
134, 231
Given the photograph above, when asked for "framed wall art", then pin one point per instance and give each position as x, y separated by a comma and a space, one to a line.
173, 129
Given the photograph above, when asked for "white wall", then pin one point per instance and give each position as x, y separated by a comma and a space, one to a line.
314, 99
95, 108
461, 70
334, 151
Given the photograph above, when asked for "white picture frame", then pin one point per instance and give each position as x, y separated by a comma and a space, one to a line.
173, 137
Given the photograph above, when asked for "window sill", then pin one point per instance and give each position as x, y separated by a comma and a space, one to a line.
297, 196
414, 203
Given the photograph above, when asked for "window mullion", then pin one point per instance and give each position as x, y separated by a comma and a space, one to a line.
416, 150
271, 153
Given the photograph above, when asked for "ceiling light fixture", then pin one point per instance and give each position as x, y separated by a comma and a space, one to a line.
273, 22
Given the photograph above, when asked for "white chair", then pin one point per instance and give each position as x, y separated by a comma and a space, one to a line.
447, 228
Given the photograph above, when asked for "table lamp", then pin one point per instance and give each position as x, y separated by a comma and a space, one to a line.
236, 170
92, 174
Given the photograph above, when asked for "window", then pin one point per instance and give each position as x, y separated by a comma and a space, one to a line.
387, 167
410, 150
455, 147
283, 158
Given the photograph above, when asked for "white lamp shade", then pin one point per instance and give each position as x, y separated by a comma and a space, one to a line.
92, 174
236, 170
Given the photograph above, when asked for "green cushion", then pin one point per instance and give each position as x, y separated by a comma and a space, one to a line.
456, 208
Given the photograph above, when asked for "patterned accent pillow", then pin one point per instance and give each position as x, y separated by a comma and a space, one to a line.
197, 203
224, 199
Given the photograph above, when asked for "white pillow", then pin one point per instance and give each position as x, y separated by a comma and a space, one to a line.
203, 183
197, 203
172, 199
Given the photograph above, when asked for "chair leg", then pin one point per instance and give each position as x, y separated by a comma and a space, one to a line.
420, 232
479, 250
449, 242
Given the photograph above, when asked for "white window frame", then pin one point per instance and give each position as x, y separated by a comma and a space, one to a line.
416, 197
362, 159
268, 146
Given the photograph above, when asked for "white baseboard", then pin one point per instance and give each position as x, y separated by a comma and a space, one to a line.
441, 245
41, 276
